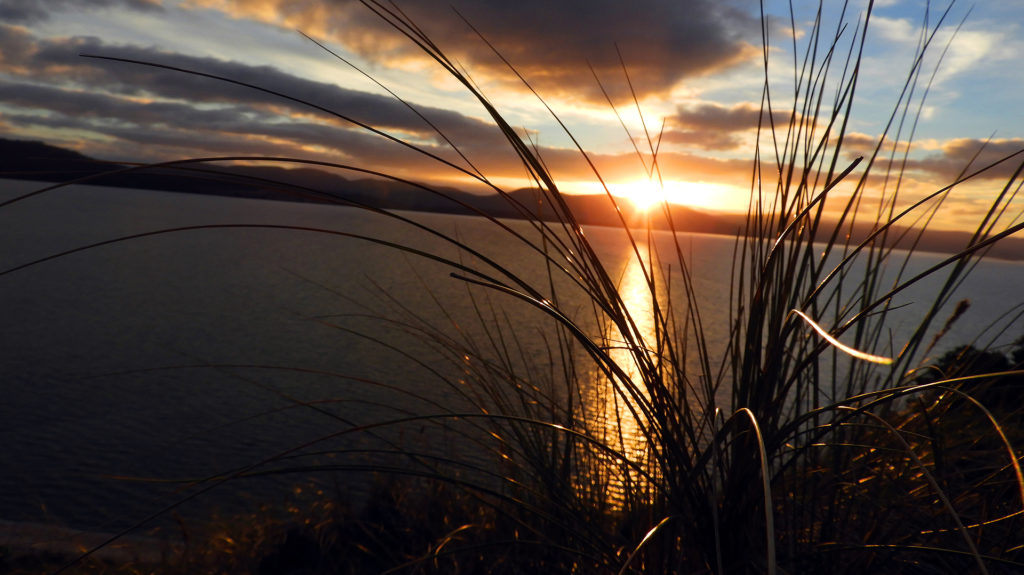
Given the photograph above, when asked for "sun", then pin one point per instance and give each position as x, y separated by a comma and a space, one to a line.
645, 195
648, 195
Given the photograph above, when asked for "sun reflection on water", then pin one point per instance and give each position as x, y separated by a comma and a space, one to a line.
615, 414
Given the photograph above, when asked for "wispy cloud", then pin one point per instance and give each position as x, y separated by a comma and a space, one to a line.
35, 11
554, 44
714, 126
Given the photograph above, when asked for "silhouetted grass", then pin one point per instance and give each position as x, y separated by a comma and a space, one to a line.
786, 452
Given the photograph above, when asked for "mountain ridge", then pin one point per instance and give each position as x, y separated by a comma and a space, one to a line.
33, 160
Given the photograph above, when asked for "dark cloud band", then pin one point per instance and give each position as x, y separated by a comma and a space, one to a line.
36, 11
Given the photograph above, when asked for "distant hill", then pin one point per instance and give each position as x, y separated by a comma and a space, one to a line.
38, 161
28, 160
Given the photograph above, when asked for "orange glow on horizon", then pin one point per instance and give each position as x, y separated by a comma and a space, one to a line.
643, 194
646, 195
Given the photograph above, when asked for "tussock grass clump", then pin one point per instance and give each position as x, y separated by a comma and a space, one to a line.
810, 443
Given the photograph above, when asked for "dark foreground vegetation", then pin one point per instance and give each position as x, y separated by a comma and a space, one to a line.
430, 526
813, 444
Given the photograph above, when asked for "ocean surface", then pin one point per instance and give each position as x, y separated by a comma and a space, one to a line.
132, 367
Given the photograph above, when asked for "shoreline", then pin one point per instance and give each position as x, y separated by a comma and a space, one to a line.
29, 539
942, 243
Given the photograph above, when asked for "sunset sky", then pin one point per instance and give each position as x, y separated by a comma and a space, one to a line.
696, 67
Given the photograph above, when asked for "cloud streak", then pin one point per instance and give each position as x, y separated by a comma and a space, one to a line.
553, 44
30, 12
158, 113
712, 126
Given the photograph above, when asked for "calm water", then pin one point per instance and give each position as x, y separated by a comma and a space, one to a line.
185, 355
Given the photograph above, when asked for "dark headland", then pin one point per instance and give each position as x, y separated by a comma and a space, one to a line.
30, 160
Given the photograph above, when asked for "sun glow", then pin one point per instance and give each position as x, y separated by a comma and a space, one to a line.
648, 195
644, 194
